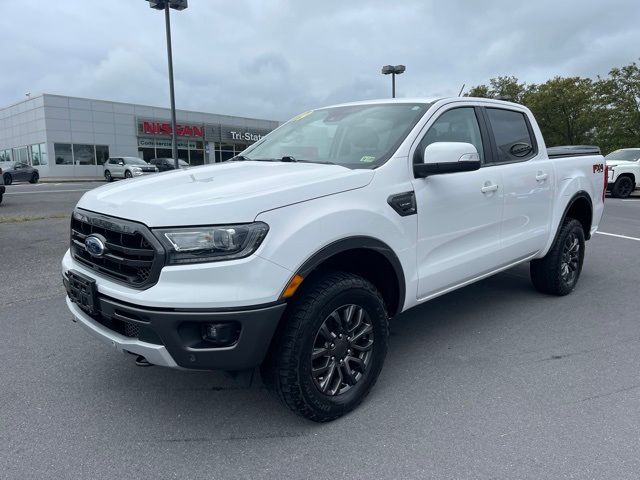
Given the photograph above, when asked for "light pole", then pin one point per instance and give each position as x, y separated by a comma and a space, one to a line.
165, 5
393, 70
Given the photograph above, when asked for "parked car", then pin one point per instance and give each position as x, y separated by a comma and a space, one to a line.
126, 167
20, 172
2, 187
624, 172
165, 164
294, 256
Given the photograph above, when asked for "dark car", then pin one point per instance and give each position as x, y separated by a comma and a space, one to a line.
165, 164
20, 172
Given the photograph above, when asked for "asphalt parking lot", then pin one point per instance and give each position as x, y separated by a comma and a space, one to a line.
494, 381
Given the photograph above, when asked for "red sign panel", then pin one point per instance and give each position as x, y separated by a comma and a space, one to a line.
161, 128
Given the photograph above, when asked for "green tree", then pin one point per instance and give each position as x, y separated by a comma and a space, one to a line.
618, 103
500, 87
565, 110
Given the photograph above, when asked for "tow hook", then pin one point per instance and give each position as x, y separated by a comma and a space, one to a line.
143, 362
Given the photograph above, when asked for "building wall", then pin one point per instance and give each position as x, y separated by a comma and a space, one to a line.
80, 122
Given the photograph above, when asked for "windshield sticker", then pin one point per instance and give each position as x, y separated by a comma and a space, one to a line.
367, 159
301, 116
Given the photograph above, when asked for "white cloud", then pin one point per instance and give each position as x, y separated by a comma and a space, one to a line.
273, 59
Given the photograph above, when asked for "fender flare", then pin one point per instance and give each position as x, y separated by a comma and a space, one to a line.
576, 196
358, 242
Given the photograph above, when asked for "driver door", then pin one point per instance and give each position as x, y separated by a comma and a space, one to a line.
459, 214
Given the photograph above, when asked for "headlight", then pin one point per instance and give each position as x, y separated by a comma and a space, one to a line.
211, 244
136, 169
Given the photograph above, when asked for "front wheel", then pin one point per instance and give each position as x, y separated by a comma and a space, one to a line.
34, 178
329, 352
558, 271
127, 174
623, 187
107, 176
8, 179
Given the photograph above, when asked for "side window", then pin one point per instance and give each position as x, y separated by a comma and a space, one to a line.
456, 125
514, 140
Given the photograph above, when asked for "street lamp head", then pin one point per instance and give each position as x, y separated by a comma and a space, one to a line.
161, 4
387, 69
399, 69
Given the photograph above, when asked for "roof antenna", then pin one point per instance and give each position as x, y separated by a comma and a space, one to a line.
461, 90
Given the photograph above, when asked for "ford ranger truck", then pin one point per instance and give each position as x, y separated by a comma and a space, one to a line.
294, 255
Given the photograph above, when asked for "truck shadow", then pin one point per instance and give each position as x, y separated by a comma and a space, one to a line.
210, 406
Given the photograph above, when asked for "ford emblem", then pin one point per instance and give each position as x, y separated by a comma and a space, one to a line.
94, 245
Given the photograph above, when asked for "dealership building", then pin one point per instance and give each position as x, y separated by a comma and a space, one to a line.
73, 137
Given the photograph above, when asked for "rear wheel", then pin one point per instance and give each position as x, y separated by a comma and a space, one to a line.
127, 174
34, 178
558, 272
329, 352
107, 176
622, 188
8, 179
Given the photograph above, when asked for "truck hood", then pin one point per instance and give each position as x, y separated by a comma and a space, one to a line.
613, 163
223, 193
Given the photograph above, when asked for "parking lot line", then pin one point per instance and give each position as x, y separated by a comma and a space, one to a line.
619, 236
46, 191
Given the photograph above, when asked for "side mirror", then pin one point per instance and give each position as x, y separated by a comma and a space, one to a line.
447, 157
121, 163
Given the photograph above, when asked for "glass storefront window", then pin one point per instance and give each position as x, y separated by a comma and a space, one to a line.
5, 155
84, 154
196, 157
44, 159
102, 154
35, 154
21, 155
183, 155
62, 152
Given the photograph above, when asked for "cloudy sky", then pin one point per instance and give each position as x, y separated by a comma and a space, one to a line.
273, 58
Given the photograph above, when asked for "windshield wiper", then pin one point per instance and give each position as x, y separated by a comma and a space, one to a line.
289, 158
239, 158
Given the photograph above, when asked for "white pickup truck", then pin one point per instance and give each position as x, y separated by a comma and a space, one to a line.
294, 255
624, 171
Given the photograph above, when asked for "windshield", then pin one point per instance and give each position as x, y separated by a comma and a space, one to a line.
624, 155
134, 161
356, 136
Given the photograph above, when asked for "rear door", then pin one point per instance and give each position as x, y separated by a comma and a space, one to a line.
528, 177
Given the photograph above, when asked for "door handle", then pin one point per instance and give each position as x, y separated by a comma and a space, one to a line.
489, 188
541, 176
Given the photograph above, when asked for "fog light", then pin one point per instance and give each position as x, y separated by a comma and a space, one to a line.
221, 334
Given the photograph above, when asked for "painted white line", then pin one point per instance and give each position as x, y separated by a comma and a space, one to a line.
44, 191
619, 236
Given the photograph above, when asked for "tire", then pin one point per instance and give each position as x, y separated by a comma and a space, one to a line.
623, 187
557, 273
331, 391
1, 195
107, 176
34, 178
127, 174
8, 179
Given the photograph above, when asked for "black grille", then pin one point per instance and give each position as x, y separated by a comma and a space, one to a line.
132, 255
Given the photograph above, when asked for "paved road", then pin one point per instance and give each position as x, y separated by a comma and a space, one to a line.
494, 381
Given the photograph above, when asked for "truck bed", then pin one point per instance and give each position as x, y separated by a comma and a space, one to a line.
572, 151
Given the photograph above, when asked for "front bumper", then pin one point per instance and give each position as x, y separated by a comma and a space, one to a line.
172, 337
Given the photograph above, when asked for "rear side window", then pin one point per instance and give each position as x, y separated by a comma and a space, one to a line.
514, 139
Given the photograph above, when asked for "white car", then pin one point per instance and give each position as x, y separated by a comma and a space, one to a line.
126, 167
294, 255
624, 171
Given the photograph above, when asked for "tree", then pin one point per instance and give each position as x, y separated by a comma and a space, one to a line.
565, 110
500, 87
618, 102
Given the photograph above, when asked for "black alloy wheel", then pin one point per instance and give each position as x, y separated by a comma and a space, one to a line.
328, 352
34, 178
8, 179
623, 187
570, 262
342, 350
